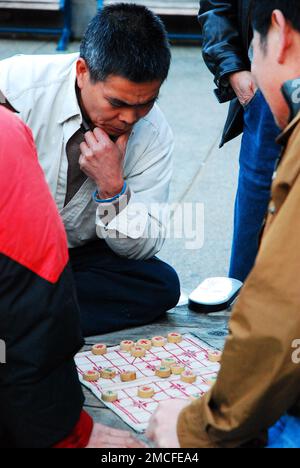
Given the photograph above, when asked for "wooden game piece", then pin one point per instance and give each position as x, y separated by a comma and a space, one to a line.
210, 381
177, 369
163, 372
99, 349
146, 392
108, 373
146, 344
126, 345
128, 376
138, 351
159, 341
214, 356
91, 376
109, 396
174, 337
188, 377
168, 362
196, 396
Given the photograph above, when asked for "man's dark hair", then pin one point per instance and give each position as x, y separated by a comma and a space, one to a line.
126, 40
262, 14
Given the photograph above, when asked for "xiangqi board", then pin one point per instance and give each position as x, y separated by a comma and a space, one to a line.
191, 354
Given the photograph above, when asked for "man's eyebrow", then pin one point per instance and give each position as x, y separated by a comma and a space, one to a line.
117, 102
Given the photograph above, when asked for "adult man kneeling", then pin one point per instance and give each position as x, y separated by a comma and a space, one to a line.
105, 148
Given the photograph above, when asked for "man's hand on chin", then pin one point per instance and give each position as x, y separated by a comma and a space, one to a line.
106, 437
162, 428
103, 160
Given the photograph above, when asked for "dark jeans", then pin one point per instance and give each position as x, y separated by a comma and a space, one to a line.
259, 153
115, 293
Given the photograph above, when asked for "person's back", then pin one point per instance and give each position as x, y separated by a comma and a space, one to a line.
40, 396
38, 310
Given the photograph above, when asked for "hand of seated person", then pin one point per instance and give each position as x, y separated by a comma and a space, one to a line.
162, 428
106, 437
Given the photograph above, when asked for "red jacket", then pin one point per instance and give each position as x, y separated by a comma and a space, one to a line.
40, 396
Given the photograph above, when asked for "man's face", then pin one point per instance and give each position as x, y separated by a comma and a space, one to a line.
267, 73
116, 104
276, 60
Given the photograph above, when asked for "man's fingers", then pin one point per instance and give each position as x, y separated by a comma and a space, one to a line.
94, 138
112, 444
122, 437
122, 142
120, 441
100, 135
86, 150
246, 99
150, 430
135, 444
116, 432
254, 87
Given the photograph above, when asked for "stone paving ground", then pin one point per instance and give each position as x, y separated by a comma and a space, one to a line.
202, 174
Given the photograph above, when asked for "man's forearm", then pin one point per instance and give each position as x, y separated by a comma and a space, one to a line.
133, 233
108, 211
112, 189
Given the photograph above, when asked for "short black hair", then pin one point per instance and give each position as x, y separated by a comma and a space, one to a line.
126, 40
262, 14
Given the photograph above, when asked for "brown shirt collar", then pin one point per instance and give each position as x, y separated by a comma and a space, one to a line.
285, 135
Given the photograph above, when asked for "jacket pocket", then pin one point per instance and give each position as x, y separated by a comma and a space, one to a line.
234, 125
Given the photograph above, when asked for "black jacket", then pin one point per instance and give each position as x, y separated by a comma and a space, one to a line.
227, 34
40, 395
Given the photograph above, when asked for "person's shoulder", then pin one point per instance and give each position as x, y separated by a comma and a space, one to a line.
291, 136
10, 123
38, 62
297, 124
35, 70
156, 124
15, 136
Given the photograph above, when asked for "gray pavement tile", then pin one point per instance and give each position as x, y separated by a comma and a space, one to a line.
215, 187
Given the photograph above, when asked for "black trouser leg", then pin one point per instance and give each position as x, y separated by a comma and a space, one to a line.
115, 293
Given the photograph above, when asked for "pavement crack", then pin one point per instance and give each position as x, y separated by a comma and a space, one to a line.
198, 173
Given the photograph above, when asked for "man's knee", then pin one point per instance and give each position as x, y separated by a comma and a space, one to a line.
168, 291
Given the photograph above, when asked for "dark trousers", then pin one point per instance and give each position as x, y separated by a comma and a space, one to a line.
115, 293
258, 156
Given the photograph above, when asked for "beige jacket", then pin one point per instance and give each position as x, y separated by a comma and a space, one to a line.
42, 89
260, 375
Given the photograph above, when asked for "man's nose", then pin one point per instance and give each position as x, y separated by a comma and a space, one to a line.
129, 116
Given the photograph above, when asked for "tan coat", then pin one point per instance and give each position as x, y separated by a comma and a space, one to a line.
259, 381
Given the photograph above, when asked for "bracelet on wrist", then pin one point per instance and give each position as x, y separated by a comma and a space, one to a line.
97, 198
